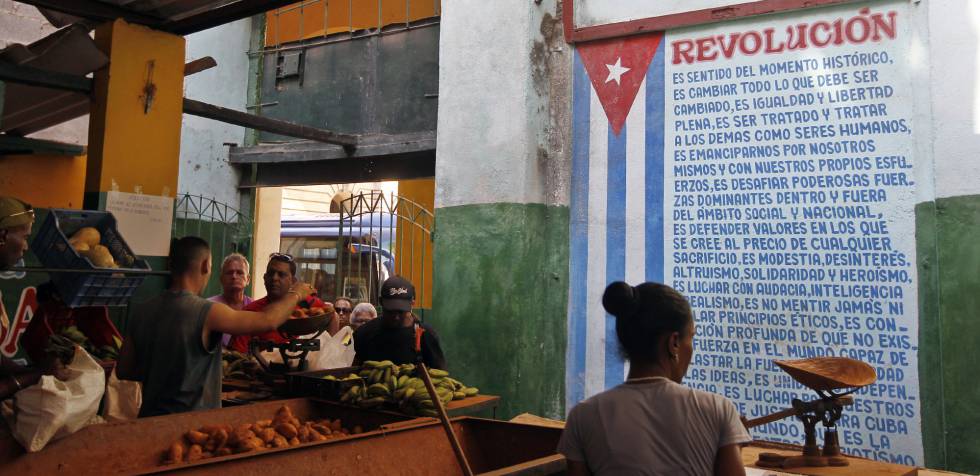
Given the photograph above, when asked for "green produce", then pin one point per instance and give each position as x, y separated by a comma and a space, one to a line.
61, 345
239, 366
384, 383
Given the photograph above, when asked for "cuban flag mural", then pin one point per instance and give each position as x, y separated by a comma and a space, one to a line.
765, 168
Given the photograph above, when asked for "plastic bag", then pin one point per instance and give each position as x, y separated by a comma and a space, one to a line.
335, 351
52, 408
123, 399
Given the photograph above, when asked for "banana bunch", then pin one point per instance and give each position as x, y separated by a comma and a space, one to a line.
239, 366
386, 383
349, 378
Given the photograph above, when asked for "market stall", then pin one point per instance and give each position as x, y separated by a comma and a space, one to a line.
369, 442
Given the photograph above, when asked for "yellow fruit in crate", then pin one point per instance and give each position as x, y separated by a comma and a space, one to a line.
80, 246
88, 235
100, 257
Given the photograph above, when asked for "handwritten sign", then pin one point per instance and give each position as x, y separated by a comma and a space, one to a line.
145, 221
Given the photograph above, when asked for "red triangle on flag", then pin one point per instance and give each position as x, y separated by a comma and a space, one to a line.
616, 68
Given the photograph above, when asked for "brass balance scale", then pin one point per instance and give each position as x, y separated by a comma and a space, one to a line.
834, 379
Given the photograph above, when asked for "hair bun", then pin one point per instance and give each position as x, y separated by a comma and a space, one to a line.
620, 299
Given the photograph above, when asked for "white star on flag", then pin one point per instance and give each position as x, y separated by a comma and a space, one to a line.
616, 71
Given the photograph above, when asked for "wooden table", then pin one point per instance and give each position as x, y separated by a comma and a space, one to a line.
750, 454
471, 405
858, 466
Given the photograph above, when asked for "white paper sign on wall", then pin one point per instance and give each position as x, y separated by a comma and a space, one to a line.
145, 221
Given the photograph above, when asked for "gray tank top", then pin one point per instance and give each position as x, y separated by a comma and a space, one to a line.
179, 373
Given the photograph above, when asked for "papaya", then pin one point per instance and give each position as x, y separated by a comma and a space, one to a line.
100, 257
88, 235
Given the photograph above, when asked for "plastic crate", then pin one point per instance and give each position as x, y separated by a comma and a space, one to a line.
81, 289
94, 322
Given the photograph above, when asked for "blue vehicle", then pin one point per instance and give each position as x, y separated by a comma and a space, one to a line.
352, 257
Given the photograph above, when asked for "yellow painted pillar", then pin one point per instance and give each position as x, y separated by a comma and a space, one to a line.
413, 248
134, 128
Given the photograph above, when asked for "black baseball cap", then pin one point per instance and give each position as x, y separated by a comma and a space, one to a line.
397, 294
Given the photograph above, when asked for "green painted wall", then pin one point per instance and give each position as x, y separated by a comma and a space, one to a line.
501, 286
948, 235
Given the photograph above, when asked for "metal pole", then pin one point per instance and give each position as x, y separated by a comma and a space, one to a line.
200, 203
411, 266
422, 274
392, 228
444, 419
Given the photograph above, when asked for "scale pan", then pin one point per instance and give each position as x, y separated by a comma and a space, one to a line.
829, 373
305, 325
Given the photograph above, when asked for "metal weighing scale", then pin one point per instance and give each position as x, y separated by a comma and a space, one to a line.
302, 337
833, 379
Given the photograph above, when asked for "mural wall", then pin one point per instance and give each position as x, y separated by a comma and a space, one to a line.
765, 168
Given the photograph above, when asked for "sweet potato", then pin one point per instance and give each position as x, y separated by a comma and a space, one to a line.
240, 436
194, 453
287, 430
280, 442
294, 442
250, 444
218, 440
176, 453
196, 437
267, 435
303, 434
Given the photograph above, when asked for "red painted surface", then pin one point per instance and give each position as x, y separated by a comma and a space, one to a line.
574, 34
26, 309
603, 59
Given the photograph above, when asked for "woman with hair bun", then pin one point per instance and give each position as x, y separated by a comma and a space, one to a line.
652, 424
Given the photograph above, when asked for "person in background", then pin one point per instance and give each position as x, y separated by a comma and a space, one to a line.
173, 347
16, 221
652, 424
361, 314
279, 277
343, 305
234, 279
392, 336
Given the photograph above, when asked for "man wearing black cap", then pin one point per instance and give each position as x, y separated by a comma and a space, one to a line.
392, 336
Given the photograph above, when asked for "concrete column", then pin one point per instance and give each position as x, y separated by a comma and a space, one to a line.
134, 130
501, 242
268, 223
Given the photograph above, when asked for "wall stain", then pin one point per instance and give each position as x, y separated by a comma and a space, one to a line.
550, 60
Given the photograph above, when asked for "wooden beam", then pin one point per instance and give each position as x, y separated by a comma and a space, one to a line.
275, 126
224, 14
95, 10
16, 73
25, 145
199, 65
369, 146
